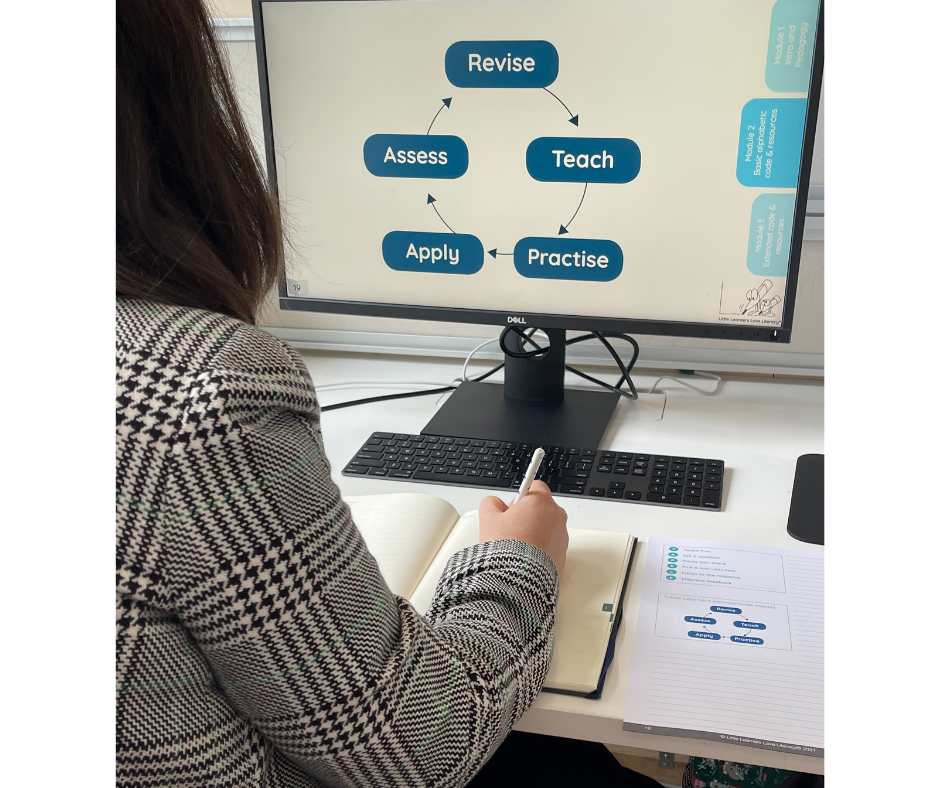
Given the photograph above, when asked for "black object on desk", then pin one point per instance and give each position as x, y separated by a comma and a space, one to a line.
807, 502
587, 473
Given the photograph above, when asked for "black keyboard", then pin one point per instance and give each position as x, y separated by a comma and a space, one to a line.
617, 475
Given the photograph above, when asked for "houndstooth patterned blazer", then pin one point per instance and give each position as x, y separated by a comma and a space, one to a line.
257, 643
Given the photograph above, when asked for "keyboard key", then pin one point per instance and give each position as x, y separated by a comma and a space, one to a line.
676, 475
693, 493
696, 477
456, 471
383, 435
615, 493
696, 461
571, 489
474, 472
367, 463
441, 469
506, 475
691, 501
369, 455
661, 466
374, 442
639, 472
633, 495
427, 468
491, 474
393, 466
588, 453
657, 488
468, 480
659, 474
674, 490
401, 474
662, 459
711, 499
608, 455
598, 492
617, 485
378, 472
680, 460
714, 464
358, 469
693, 485
624, 455
712, 486
640, 464
712, 477
432, 439
626, 469
402, 437
604, 469
478, 443
657, 497
673, 498
468, 464
642, 457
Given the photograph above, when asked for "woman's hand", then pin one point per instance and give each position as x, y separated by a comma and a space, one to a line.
535, 518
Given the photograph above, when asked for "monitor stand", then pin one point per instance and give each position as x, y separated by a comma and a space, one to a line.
532, 405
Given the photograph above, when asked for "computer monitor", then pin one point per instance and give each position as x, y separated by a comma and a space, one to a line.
636, 166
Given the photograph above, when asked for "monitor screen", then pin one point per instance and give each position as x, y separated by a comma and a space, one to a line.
599, 164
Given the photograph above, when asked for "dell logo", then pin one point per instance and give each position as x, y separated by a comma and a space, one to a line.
516, 320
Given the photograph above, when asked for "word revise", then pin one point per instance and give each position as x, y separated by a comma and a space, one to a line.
508, 63
501, 64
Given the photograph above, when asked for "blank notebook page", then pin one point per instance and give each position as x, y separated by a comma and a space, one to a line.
404, 532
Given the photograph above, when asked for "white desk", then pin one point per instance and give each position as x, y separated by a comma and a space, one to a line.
757, 426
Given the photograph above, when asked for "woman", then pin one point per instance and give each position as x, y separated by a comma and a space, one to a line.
257, 643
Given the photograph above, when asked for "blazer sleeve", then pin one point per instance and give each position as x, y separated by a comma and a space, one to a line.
270, 575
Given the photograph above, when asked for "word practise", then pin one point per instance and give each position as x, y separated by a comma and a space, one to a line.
577, 259
501, 64
583, 159
588, 260
415, 156
446, 253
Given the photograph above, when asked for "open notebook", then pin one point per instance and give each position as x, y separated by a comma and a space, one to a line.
412, 537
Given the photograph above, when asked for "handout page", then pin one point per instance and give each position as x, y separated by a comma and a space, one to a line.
729, 646
591, 586
404, 531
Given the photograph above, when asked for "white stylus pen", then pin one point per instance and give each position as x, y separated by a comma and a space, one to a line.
533, 469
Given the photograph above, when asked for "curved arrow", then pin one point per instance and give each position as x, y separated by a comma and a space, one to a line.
431, 202
563, 230
446, 103
574, 118
493, 252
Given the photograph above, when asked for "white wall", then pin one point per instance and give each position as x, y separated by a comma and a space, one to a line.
804, 352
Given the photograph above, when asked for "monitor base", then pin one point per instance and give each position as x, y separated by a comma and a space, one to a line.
481, 411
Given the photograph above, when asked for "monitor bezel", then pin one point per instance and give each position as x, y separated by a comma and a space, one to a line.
729, 331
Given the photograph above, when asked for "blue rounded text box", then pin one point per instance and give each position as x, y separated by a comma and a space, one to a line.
584, 259
501, 64
771, 142
415, 155
790, 49
442, 253
583, 159
771, 231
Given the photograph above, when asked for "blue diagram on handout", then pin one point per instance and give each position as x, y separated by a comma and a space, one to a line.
738, 623
505, 65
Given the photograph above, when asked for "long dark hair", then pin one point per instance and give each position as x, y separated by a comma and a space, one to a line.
196, 224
